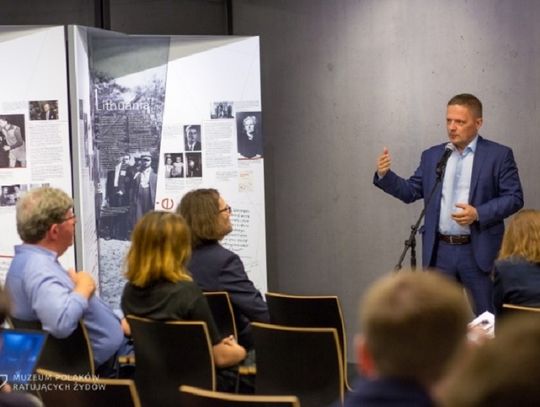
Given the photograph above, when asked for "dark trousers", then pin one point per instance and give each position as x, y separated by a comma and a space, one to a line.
457, 262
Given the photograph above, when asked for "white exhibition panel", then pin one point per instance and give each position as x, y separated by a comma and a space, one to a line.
33, 74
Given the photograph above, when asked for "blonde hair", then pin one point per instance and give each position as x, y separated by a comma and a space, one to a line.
522, 237
160, 249
414, 323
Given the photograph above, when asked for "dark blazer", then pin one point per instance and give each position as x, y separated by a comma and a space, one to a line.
196, 146
495, 192
125, 176
249, 148
216, 268
52, 115
517, 282
387, 392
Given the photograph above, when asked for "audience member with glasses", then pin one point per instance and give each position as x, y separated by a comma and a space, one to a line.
42, 290
216, 268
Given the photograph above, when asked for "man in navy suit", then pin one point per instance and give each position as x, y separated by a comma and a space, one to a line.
464, 221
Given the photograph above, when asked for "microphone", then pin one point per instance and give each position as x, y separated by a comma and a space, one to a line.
441, 165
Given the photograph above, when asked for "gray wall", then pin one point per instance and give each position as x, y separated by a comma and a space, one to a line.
196, 17
168, 17
53, 12
342, 79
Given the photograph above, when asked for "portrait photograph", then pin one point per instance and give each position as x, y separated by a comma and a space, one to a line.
193, 165
12, 141
10, 194
43, 110
192, 137
249, 135
174, 165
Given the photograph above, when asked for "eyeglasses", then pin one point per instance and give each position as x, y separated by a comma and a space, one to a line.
226, 209
69, 218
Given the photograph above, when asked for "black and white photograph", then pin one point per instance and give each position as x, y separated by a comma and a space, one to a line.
174, 165
117, 198
12, 141
127, 113
193, 165
222, 110
143, 188
10, 194
43, 110
167, 159
249, 134
192, 137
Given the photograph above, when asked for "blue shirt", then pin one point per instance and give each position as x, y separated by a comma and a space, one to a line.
41, 289
456, 188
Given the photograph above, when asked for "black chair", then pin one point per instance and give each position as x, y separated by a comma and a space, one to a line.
305, 362
168, 355
59, 389
222, 311
314, 311
196, 397
72, 355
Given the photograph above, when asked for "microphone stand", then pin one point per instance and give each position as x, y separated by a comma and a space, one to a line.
411, 241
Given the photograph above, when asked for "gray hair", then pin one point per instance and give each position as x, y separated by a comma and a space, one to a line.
252, 118
38, 210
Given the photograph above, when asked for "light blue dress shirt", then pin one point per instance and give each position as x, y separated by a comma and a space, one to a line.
41, 289
455, 189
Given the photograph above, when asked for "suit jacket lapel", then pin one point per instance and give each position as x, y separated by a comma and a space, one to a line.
480, 156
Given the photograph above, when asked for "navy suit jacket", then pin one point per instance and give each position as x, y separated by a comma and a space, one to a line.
495, 192
387, 392
516, 282
215, 268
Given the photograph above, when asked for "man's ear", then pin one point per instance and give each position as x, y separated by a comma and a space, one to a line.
479, 122
52, 233
364, 359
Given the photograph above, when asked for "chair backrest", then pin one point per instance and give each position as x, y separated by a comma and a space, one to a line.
72, 355
322, 311
197, 397
59, 389
305, 362
222, 311
168, 355
512, 309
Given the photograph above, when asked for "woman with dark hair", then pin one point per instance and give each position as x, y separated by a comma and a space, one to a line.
216, 268
159, 286
517, 269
